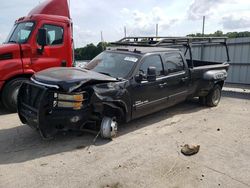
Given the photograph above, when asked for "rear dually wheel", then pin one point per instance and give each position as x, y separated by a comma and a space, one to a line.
214, 96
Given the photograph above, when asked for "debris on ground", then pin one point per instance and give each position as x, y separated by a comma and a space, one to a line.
116, 185
190, 149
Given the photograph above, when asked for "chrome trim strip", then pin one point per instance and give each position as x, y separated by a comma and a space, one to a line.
43, 84
180, 93
162, 99
168, 76
176, 74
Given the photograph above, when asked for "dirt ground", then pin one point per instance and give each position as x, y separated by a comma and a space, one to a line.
145, 154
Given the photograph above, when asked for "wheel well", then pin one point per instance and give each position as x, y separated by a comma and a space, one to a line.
220, 83
18, 76
114, 110
13, 78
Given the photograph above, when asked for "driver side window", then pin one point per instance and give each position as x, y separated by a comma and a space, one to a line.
152, 61
54, 34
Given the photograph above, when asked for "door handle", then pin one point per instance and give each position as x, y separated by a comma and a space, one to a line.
163, 85
64, 63
184, 79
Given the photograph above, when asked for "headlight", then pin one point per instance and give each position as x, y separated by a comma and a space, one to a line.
75, 98
69, 101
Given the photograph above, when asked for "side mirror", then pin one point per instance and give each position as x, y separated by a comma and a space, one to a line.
42, 38
140, 77
151, 75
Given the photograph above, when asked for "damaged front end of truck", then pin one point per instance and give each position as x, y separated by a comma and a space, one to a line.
65, 99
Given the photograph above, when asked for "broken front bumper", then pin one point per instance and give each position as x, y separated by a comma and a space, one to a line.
37, 107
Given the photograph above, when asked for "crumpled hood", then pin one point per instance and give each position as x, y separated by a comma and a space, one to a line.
70, 79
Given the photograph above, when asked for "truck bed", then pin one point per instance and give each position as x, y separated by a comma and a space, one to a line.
197, 74
199, 63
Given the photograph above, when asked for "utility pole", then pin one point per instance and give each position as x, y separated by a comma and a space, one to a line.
156, 30
102, 37
125, 31
203, 33
102, 41
203, 26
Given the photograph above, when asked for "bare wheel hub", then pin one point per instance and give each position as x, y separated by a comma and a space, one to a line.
109, 127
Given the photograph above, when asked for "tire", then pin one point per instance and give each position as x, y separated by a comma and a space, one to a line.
214, 96
10, 93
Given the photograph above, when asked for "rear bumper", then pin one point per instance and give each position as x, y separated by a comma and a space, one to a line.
1, 84
35, 108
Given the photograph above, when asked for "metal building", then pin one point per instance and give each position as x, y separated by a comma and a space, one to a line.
239, 51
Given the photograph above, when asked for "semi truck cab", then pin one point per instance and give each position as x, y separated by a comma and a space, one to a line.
41, 40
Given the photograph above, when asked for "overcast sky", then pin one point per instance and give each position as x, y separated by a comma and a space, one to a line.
175, 17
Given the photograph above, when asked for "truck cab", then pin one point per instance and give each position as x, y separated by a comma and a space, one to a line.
22, 54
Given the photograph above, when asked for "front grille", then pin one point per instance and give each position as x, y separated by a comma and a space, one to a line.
29, 100
32, 95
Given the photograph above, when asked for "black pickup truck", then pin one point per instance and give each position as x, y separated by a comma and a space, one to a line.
135, 77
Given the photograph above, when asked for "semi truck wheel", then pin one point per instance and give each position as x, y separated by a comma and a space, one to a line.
213, 98
10, 92
109, 127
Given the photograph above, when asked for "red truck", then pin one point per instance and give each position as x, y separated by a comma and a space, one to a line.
41, 40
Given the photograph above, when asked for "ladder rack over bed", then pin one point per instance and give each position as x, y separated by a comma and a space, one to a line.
174, 42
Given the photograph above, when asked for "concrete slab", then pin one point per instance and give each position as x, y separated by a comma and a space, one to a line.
145, 154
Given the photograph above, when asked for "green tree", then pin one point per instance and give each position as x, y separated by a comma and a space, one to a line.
221, 34
218, 34
90, 51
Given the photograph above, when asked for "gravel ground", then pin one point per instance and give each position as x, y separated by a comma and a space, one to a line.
145, 154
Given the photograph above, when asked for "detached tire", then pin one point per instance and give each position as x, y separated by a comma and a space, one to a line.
10, 92
213, 98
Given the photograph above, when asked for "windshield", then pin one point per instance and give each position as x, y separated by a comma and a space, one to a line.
117, 65
20, 33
